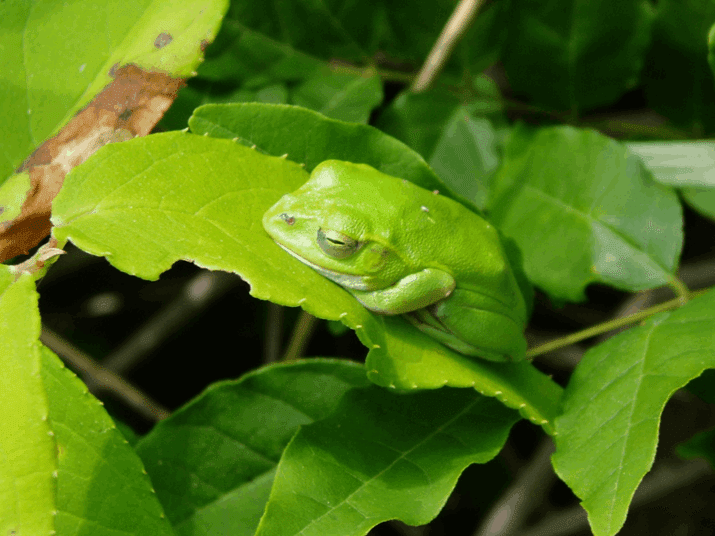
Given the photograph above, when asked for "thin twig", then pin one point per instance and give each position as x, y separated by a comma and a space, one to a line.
274, 328
681, 290
302, 332
607, 326
561, 359
102, 379
456, 26
694, 275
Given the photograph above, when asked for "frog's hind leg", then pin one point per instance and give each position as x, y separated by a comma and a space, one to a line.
473, 328
428, 323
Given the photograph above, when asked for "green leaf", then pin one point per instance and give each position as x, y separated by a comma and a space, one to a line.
348, 30
381, 456
94, 37
243, 425
273, 129
583, 209
676, 78
200, 92
127, 431
340, 96
466, 154
246, 65
404, 358
242, 55
102, 488
27, 449
575, 55
607, 435
458, 140
63, 465
12, 195
148, 202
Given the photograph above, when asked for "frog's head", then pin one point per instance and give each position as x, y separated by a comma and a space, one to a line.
335, 224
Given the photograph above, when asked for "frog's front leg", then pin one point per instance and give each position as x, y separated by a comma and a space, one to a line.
412, 292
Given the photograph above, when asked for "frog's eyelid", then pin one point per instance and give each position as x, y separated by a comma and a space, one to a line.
337, 244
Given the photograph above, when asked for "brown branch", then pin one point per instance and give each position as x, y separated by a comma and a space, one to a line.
456, 26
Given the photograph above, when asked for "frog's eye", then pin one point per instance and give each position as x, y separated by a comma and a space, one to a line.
336, 244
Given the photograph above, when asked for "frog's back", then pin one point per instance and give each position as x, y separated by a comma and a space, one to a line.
429, 229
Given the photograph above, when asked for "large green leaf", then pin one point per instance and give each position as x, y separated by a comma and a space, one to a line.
213, 461
247, 65
244, 56
392, 31
677, 80
148, 202
102, 488
64, 466
607, 435
352, 31
341, 96
576, 54
27, 450
274, 128
583, 209
94, 37
385, 456
403, 358
457, 139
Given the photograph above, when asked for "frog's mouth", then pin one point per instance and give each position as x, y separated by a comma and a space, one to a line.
351, 281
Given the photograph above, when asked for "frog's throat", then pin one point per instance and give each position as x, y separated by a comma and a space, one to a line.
355, 282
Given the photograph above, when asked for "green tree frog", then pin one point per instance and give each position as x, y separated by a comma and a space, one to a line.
402, 250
